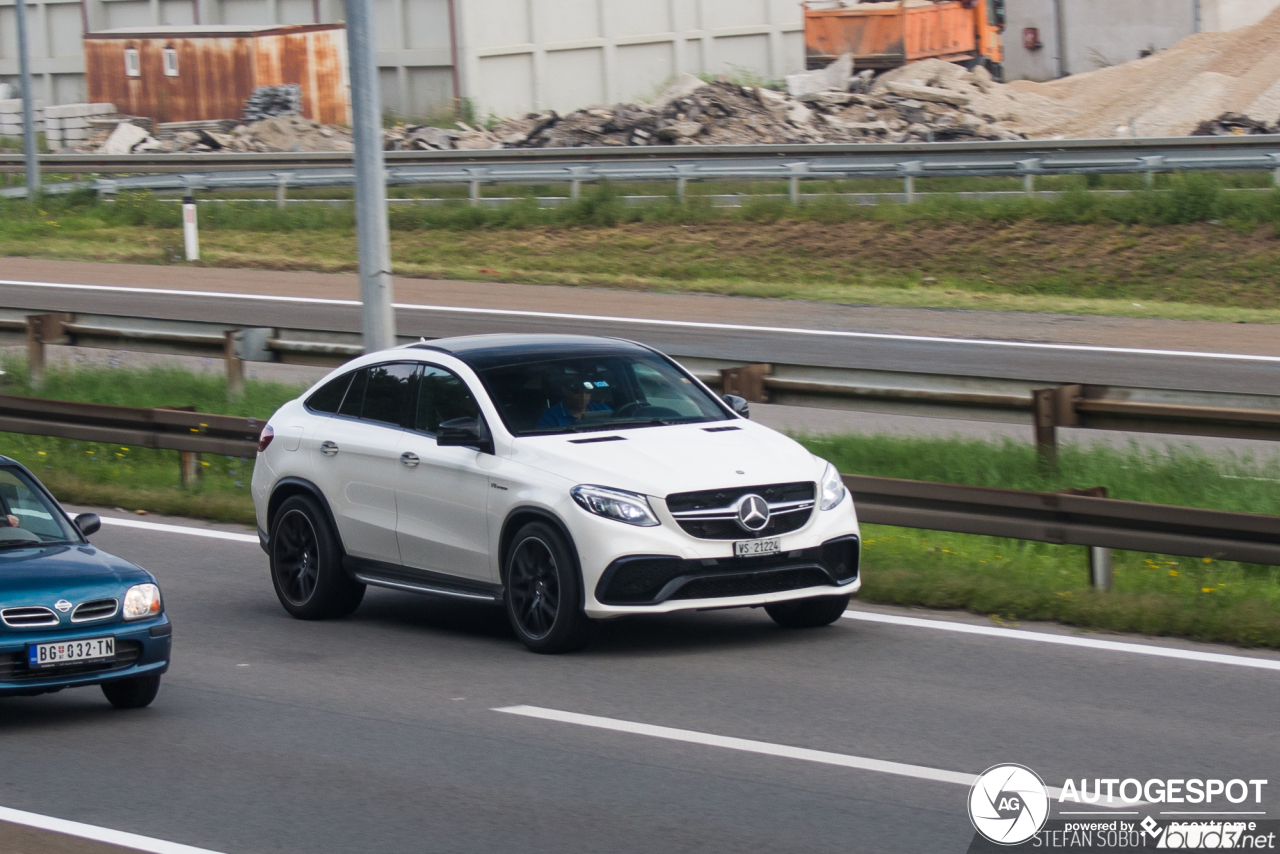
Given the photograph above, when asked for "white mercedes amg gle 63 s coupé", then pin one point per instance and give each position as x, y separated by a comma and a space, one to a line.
568, 478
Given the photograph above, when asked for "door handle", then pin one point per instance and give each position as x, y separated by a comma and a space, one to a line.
409, 458
328, 448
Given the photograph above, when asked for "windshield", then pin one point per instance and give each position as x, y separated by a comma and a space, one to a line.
27, 516
610, 392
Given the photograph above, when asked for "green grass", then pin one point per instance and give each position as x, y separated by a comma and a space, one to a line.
1189, 249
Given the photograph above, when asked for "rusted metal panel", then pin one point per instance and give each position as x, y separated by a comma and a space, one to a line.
218, 68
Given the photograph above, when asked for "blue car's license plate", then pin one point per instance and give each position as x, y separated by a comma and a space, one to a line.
70, 652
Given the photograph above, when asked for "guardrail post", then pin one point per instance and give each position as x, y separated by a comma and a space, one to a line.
235, 366
746, 382
683, 173
793, 183
1275, 175
1029, 168
1149, 167
477, 179
43, 329
189, 467
579, 174
190, 234
1100, 567
282, 188
1046, 426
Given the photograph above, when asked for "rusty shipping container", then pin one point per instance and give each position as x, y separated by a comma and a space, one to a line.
179, 74
890, 34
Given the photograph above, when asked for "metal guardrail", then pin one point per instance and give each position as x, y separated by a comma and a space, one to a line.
1130, 409
679, 164
165, 429
1067, 519
1099, 523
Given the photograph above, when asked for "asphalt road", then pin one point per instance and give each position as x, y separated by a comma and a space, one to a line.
378, 732
827, 344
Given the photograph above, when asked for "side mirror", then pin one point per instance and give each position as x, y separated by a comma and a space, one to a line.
738, 405
464, 433
88, 523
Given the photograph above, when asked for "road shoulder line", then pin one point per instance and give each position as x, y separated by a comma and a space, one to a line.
97, 834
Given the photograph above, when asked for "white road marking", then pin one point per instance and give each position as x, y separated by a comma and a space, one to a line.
180, 529
98, 834
785, 751
1067, 640
682, 324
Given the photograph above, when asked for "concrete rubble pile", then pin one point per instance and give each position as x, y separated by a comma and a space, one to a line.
280, 133
270, 101
1234, 124
923, 102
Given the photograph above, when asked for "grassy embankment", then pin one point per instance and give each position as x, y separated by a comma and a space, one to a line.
1189, 249
1007, 579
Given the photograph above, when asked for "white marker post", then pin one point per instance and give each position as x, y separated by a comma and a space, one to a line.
190, 236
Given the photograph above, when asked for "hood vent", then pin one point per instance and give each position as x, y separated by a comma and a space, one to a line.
98, 609
28, 618
719, 429
595, 439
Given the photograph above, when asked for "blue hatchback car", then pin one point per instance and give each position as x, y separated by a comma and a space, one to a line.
70, 614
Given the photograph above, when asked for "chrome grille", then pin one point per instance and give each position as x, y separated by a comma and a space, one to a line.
711, 514
98, 609
28, 618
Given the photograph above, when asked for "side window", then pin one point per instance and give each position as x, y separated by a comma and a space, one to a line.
355, 395
443, 396
328, 397
388, 397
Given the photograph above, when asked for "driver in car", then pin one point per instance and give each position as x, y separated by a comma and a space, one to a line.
8, 521
576, 400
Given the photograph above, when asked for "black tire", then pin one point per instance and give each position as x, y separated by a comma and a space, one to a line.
543, 594
133, 693
808, 613
306, 564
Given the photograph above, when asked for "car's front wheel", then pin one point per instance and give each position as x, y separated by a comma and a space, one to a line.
306, 564
543, 593
808, 613
133, 693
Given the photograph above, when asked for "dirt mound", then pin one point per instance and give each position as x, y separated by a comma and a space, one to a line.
1171, 92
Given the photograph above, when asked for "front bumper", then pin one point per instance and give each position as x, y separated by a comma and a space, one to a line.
633, 570
142, 649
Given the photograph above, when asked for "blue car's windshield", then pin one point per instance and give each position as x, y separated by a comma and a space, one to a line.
26, 516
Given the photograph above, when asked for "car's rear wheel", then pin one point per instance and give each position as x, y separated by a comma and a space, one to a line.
306, 564
543, 593
133, 693
808, 613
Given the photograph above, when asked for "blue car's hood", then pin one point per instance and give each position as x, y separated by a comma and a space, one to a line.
44, 574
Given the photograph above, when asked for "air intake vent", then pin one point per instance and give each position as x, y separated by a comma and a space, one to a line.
28, 618
98, 609
592, 441
719, 429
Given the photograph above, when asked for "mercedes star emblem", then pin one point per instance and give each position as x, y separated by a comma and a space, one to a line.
753, 512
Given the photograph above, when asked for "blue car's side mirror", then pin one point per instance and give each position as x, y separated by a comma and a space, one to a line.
88, 523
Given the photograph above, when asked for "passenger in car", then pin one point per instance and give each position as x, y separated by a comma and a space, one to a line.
576, 401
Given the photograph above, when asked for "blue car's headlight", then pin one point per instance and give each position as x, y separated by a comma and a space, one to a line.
142, 601
832, 488
617, 504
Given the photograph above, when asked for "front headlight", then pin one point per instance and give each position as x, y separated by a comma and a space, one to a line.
617, 504
832, 488
142, 601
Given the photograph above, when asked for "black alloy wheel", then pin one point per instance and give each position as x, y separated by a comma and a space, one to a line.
543, 592
296, 557
306, 563
535, 587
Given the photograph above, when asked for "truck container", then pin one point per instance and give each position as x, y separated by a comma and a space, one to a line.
883, 35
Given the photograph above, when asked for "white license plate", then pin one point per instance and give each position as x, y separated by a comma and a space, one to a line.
67, 652
756, 548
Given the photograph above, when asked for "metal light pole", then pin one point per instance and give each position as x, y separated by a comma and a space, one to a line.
28, 104
378, 322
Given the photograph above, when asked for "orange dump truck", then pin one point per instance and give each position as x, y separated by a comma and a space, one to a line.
888, 34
